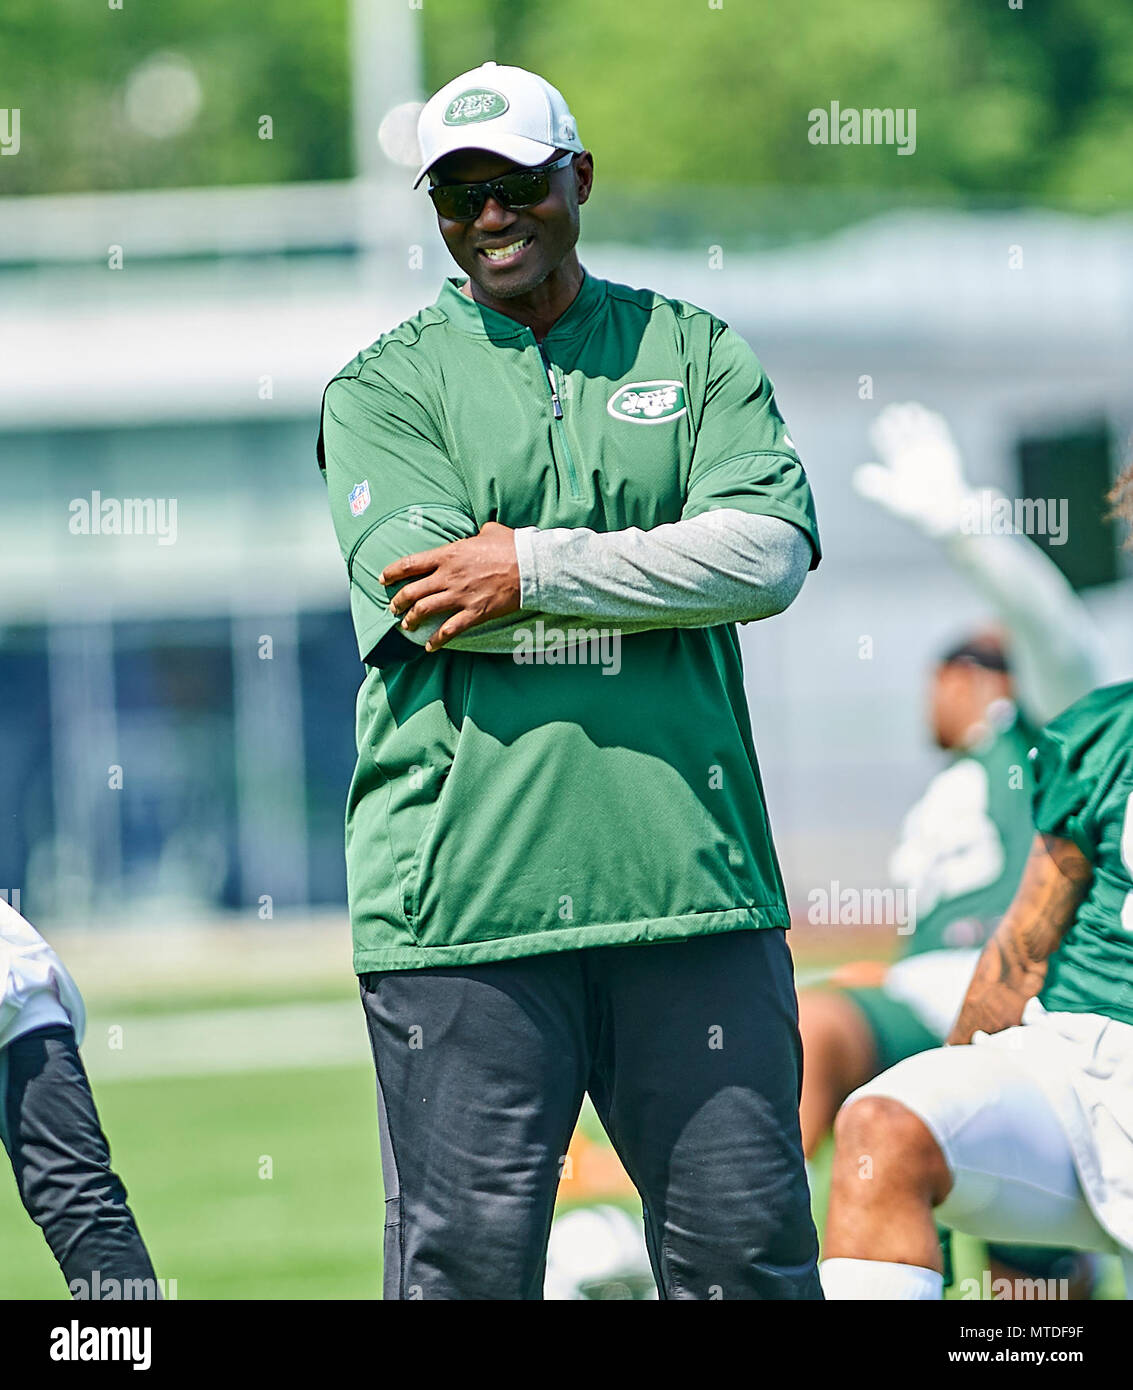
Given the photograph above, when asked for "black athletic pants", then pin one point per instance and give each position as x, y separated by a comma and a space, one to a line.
61, 1160
690, 1052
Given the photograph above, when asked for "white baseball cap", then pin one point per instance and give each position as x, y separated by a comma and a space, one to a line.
509, 111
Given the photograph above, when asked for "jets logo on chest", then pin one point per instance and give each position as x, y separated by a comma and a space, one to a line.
648, 402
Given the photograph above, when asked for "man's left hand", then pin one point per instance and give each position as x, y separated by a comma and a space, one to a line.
471, 580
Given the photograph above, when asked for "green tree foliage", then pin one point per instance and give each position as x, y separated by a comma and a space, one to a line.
1032, 103
67, 66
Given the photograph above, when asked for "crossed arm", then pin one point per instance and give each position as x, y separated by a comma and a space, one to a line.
725, 565
1013, 964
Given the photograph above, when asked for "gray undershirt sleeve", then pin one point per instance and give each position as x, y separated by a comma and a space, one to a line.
725, 566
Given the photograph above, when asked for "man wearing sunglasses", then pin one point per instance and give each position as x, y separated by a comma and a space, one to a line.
556, 496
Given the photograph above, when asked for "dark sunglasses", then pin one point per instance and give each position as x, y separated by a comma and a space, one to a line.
464, 202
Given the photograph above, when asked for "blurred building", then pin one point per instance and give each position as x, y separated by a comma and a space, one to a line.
176, 707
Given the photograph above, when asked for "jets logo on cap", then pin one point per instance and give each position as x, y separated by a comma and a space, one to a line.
359, 498
480, 105
648, 402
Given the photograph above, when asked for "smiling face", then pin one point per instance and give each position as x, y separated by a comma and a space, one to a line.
510, 253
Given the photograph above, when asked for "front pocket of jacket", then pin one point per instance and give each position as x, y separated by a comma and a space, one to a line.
423, 856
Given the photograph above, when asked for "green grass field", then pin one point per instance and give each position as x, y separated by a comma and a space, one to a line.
191, 1151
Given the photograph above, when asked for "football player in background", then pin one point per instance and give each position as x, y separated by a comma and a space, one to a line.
964, 845
50, 1128
1022, 1128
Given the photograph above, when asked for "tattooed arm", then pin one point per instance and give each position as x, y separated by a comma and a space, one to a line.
1012, 968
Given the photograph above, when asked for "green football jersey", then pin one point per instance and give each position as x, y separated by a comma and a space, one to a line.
1083, 767
503, 808
965, 845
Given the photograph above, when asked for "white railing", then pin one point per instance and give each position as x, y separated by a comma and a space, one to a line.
267, 219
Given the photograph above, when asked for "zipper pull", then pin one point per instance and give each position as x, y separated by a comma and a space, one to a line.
556, 404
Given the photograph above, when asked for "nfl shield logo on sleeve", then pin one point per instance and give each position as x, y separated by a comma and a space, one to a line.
359, 498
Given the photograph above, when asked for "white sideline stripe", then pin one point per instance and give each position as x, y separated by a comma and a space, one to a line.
273, 1038
277, 1037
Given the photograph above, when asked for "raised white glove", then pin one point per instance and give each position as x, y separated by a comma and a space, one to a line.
921, 475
